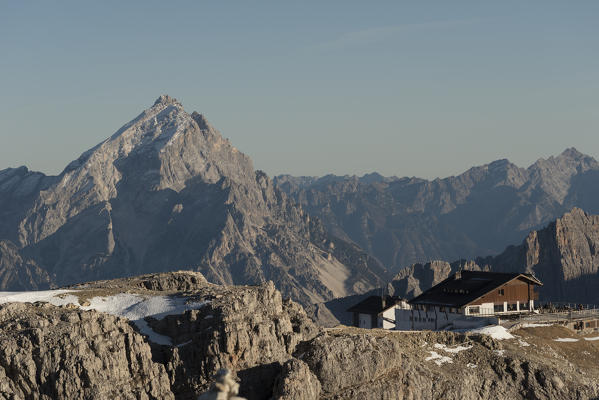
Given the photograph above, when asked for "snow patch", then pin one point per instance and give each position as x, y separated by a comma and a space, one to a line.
531, 325
453, 350
470, 365
438, 358
55, 297
495, 331
591, 339
499, 352
134, 307
567, 339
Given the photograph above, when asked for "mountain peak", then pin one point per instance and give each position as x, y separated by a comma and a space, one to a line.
165, 99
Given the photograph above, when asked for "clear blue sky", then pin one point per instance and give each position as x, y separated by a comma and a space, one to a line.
403, 88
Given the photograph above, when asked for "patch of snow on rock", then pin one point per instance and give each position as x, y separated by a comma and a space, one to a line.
590, 339
54, 297
438, 358
495, 331
532, 325
131, 306
136, 307
567, 339
470, 365
453, 350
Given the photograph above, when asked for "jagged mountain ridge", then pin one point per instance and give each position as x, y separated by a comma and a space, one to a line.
401, 221
168, 192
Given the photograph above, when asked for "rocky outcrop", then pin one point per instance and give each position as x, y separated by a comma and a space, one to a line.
353, 363
409, 220
250, 330
48, 352
168, 192
296, 382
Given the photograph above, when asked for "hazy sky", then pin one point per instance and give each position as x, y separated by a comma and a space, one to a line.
403, 88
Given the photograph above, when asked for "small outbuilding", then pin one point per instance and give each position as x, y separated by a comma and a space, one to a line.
377, 312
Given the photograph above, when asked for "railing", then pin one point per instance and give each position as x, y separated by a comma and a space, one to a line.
553, 307
560, 316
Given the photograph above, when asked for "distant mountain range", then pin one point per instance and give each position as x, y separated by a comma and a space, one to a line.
402, 221
168, 192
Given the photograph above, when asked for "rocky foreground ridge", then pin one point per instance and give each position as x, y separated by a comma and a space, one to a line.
168, 192
50, 352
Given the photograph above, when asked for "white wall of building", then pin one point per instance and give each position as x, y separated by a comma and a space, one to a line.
385, 318
425, 318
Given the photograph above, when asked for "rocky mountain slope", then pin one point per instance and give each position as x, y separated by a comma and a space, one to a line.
72, 352
168, 192
409, 220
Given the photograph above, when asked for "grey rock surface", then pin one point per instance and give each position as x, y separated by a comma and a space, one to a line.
49, 352
296, 382
249, 330
366, 364
409, 220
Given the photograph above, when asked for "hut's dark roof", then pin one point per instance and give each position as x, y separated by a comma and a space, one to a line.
464, 287
374, 304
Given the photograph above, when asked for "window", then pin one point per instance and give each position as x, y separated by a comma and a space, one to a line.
498, 307
501, 292
512, 307
475, 310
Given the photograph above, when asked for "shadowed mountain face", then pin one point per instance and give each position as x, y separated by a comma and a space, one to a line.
409, 220
168, 192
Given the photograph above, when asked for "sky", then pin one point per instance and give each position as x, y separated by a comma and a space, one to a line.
423, 89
